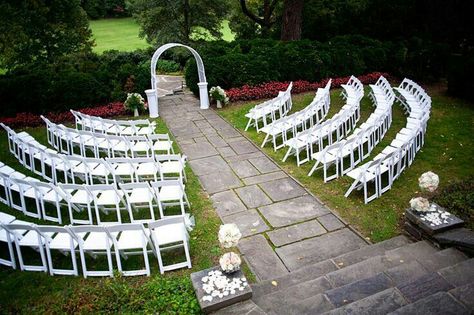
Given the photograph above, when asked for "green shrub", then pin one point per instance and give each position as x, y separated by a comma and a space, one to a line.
167, 66
458, 198
460, 79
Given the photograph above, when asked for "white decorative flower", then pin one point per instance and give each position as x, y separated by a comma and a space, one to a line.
229, 235
218, 94
230, 262
420, 204
428, 181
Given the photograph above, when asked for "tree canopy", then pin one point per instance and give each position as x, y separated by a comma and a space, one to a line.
34, 31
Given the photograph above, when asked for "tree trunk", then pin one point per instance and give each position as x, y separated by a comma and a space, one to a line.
267, 20
187, 26
292, 20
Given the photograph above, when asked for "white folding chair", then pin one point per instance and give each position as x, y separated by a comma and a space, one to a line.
93, 240
170, 193
167, 234
106, 199
132, 240
140, 196
78, 198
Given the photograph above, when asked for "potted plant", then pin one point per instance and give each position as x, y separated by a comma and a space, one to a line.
134, 103
218, 94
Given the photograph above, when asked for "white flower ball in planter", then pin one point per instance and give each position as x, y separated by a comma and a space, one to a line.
229, 235
230, 262
428, 181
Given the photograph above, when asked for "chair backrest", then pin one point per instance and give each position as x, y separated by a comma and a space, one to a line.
166, 221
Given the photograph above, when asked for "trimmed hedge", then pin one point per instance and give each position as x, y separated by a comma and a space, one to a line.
251, 62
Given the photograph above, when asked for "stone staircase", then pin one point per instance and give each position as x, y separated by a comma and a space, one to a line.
392, 276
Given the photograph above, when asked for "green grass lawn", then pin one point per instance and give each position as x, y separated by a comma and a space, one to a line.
448, 151
171, 293
122, 34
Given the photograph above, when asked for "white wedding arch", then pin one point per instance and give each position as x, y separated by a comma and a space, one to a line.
152, 93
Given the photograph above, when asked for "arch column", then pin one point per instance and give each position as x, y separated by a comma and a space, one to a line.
152, 94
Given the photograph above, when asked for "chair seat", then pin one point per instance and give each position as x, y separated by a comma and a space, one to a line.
52, 196
80, 196
162, 146
355, 173
145, 131
168, 193
63, 241
147, 168
100, 170
140, 146
124, 169
31, 239
6, 218
171, 167
169, 234
109, 197
131, 239
97, 241
140, 195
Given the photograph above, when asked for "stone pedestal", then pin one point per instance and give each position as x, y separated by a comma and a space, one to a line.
419, 219
203, 95
152, 99
218, 302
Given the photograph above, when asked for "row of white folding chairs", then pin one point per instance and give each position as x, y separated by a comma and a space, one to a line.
57, 167
409, 140
330, 131
77, 142
299, 121
112, 126
21, 193
353, 88
120, 240
412, 97
362, 141
270, 110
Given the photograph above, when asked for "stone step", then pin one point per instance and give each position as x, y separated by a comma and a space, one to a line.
298, 276
459, 274
440, 303
246, 307
370, 251
424, 286
380, 303
418, 250
444, 258
293, 295
465, 294
316, 304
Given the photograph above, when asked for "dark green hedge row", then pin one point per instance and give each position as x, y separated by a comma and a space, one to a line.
79, 81
255, 61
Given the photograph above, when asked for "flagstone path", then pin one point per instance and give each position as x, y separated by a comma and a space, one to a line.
284, 227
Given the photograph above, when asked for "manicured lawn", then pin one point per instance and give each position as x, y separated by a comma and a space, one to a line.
448, 151
171, 293
120, 34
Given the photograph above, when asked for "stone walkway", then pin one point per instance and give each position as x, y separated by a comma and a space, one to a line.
284, 227
167, 84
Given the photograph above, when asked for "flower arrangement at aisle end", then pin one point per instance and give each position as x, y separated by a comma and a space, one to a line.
135, 103
431, 213
218, 94
229, 236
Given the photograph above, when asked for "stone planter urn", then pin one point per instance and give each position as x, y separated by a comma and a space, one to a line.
135, 112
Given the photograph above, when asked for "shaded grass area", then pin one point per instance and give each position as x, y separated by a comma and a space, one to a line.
119, 34
171, 293
447, 151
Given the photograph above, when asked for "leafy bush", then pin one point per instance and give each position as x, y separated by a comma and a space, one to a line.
458, 198
251, 62
167, 66
460, 79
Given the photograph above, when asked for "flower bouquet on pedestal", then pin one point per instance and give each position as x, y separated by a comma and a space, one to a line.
229, 236
135, 103
218, 94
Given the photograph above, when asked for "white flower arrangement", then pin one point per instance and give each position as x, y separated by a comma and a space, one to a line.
230, 262
216, 285
428, 181
229, 235
134, 102
218, 94
420, 204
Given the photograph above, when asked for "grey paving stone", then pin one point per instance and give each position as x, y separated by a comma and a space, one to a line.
406, 272
198, 150
437, 304
235, 139
264, 178
227, 203
424, 286
310, 251
420, 250
310, 272
261, 258
358, 290
330, 222
459, 274
442, 259
228, 133
243, 147
293, 295
364, 269
184, 129
465, 294
200, 139
226, 151
249, 222
264, 164
217, 141
377, 304
282, 189
209, 165
293, 211
296, 233
221, 181
370, 251
241, 157
243, 168
253, 196
316, 304
247, 307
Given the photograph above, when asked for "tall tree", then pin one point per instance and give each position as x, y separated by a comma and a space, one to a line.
267, 17
164, 21
292, 20
41, 31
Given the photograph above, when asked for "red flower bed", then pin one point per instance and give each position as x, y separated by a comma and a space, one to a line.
33, 120
271, 89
